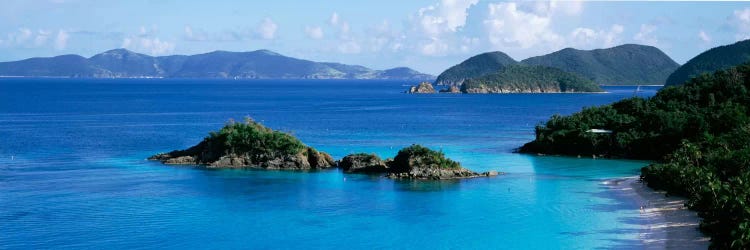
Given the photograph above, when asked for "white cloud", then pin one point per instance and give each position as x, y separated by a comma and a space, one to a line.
41, 37
334, 20
646, 36
267, 29
314, 32
446, 16
145, 41
436, 26
26, 38
741, 22
350, 47
435, 47
509, 26
705, 38
23, 35
468, 44
61, 41
589, 38
194, 35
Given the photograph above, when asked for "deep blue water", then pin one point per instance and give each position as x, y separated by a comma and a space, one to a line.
73, 174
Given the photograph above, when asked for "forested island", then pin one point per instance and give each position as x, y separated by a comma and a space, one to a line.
698, 134
251, 145
628, 64
565, 71
529, 79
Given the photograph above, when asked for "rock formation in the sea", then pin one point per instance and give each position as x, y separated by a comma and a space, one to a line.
251, 145
529, 79
363, 163
452, 90
413, 162
418, 162
422, 88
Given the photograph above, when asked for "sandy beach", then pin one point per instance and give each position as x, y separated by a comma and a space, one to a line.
669, 224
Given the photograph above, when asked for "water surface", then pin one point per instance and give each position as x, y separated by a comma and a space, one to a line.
73, 174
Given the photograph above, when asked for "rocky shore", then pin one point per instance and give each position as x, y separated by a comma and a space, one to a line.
413, 162
251, 145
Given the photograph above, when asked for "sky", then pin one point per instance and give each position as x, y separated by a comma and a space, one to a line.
428, 36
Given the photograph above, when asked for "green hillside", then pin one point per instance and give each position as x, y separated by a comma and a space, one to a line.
529, 79
628, 64
714, 59
475, 66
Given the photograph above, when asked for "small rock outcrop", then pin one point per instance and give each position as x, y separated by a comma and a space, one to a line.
362, 163
413, 162
418, 162
249, 144
422, 88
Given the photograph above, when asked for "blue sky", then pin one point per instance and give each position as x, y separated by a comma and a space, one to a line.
426, 35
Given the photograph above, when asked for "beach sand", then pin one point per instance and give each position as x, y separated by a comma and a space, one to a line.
668, 223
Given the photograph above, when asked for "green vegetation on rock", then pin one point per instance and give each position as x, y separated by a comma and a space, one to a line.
699, 134
413, 162
722, 57
628, 64
420, 156
529, 79
249, 144
252, 138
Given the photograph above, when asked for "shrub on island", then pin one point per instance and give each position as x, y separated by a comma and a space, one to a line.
249, 144
413, 162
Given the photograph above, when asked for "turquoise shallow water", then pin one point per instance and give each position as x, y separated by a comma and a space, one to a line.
73, 174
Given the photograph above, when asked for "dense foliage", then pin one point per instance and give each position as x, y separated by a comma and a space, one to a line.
254, 140
628, 64
722, 57
417, 155
522, 78
475, 66
698, 132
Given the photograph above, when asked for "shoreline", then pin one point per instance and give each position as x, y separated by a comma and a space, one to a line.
668, 224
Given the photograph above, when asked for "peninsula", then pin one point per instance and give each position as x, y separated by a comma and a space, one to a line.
697, 133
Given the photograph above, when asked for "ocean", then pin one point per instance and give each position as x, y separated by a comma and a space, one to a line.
73, 172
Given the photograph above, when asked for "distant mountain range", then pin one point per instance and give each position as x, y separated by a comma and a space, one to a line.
628, 64
722, 57
259, 64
